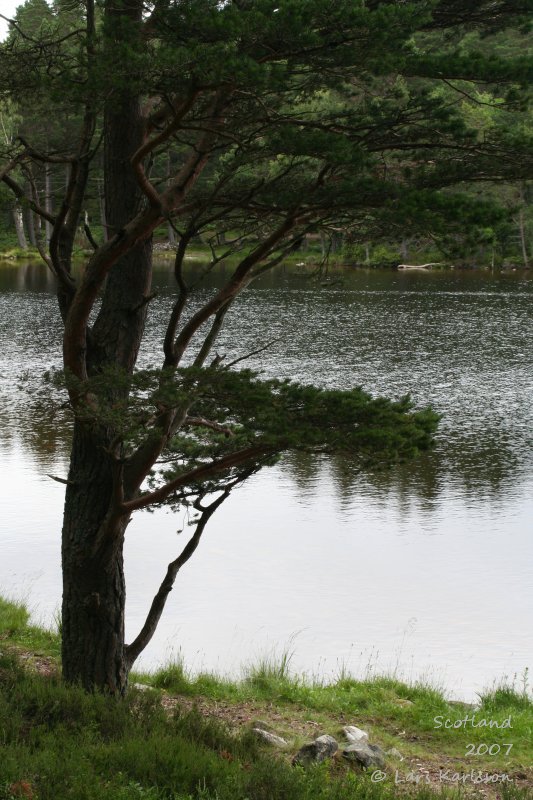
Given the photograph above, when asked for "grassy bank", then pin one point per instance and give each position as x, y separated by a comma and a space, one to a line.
191, 737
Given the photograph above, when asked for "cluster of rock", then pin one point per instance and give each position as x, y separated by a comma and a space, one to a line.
313, 753
357, 748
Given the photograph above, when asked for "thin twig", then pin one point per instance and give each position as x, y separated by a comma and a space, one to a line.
253, 352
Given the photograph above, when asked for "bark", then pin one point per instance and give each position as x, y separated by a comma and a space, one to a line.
18, 219
93, 531
94, 592
101, 204
337, 241
30, 221
523, 242
48, 200
171, 233
120, 323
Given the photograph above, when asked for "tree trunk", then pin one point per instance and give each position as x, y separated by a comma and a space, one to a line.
48, 200
18, 219
92, 546
119, 327
94, 591
523, 243
171, 233
29, 220
101, 204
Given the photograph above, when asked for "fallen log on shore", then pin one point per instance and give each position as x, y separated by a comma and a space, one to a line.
421, 266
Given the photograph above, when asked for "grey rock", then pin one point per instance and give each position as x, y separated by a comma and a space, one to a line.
269, 738
264, 726
323, 747
394, 753
366, 754
355, 735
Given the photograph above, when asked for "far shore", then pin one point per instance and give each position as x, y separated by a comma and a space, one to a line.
162, 253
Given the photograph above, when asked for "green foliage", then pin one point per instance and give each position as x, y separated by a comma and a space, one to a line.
240, 410
287, 415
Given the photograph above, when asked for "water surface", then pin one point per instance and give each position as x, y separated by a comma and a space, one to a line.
425, 570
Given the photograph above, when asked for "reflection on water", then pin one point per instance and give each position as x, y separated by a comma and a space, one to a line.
427, 565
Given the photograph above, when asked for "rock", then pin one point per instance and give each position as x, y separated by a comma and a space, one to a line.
141, 687
354, 734
366, 754
323, 747
162, 247
264, 726
269, 738
395, 753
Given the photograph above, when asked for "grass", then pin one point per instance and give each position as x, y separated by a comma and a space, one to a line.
16, 253
395, 714
59, 742
15, 629
186, 740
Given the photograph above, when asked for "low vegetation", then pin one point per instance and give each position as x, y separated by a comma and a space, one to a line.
191, 737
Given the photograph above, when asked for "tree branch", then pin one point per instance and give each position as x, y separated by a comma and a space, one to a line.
158, 603
201, 422
195, 163
40, 44
253, 353
179, 305
60, 480
235, 285
10, 166
211, 337
18, 191
149, 146
198, 473
45, 158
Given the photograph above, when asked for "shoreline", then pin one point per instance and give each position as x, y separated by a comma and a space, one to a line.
407, 723
23, 260
163, 253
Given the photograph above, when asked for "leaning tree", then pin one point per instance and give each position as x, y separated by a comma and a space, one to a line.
250, 123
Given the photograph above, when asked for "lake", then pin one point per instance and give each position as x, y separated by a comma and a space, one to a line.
425, 570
